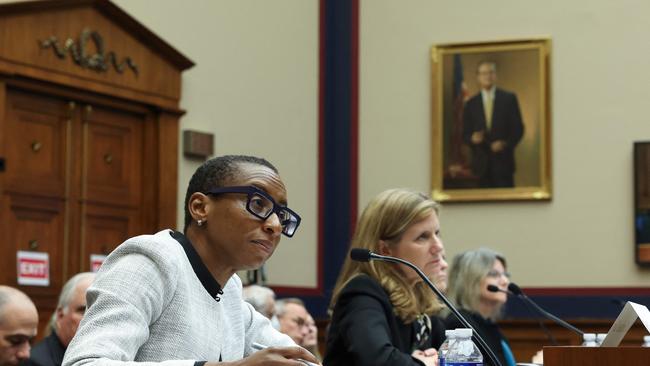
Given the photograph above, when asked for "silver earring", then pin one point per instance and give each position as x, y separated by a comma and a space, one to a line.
199, 222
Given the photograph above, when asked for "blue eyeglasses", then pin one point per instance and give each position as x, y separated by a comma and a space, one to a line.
261, 205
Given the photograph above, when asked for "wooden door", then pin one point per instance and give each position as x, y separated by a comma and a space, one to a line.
111, 179
34, 209
73, 185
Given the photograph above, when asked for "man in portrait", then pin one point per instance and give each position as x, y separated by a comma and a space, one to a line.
492, 127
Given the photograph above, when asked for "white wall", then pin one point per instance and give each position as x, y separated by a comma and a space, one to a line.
600, 79
255, 87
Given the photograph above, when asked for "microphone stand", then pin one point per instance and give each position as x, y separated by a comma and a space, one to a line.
517, 291
531, 310
549, 315
480, 342
548, 333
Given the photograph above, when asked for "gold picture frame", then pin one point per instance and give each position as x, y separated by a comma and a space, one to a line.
491, 145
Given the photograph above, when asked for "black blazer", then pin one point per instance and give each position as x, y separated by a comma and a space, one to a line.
48, 352
366, 332
506, 125
487, 329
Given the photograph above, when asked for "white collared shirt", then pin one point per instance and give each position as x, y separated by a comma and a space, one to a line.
485, 93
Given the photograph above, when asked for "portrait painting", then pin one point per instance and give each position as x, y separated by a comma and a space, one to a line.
642, 202
491, 121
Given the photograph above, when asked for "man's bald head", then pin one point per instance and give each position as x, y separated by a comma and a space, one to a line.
15, 297
18, 324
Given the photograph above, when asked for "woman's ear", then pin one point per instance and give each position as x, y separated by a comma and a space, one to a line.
198, 206
384, 249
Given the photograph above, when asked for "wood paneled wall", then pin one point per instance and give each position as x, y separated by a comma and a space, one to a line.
89, 140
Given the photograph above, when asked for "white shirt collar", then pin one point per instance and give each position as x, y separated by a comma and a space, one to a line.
490, 92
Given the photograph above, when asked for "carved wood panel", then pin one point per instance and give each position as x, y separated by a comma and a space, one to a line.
37, 134
105, 228
113, 150
33, 224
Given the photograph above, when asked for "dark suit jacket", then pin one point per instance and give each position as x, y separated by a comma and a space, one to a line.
507, 125
487, 329
48, 352
366, 332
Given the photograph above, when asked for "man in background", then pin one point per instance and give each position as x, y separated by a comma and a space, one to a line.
68, 314
262, 298
18, 326
492, 127
292, 315
297, 323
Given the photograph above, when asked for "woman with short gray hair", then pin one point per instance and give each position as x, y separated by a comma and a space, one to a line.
469, 277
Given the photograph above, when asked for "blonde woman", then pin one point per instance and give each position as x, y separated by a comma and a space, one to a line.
469, 277
382, 311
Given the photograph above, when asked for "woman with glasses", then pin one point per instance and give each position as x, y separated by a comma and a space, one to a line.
175, 298
469, 277
382, 312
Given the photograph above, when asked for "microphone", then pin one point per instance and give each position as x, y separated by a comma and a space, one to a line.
361, 255
519, 293
515, 289
364, 255
493, 288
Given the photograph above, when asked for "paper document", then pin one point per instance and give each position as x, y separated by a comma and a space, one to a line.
624, 322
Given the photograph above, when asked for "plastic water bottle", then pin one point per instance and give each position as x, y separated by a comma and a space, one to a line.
646, 341
463, 352
600, 337
450, 335
589, 340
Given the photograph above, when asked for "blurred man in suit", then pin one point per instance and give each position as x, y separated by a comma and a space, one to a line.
18, 326
292, 315
492, 127
262, 298
68, 314
296, 322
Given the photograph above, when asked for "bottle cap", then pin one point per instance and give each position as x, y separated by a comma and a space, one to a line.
450, 333
589, 336
646, 338
463, 332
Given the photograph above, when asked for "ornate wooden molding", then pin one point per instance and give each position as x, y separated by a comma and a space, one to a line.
98, 61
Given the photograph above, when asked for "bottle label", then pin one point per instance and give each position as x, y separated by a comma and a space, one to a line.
464, 364
441, 361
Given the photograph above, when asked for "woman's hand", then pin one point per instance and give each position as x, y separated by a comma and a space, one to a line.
429, 356
273, 356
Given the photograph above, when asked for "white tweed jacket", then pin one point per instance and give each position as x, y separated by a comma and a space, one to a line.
148, 306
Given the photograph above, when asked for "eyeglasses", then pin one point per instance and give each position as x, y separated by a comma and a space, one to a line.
497, 274
262, 206
300, 322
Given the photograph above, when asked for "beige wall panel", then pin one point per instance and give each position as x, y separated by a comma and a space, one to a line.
584, 237
255, 87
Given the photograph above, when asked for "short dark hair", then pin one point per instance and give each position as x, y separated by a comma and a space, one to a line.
486, 62
215, 173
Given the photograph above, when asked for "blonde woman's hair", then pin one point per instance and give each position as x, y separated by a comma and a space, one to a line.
386, 218
465, 275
